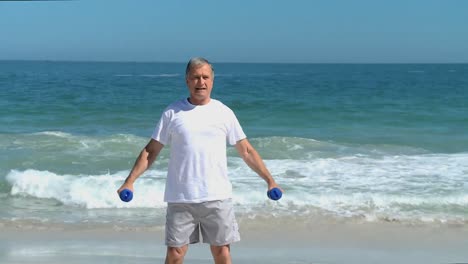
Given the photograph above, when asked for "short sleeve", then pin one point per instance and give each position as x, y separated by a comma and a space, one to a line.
235, 132
161, 132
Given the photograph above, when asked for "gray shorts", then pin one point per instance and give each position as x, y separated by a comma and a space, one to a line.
214, 220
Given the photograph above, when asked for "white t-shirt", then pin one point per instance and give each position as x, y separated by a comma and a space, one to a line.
197, 136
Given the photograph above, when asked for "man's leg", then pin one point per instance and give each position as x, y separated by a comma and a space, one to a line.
175, 255
221, 254
181, 230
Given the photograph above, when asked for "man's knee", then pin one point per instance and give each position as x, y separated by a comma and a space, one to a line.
221, 252
176, 254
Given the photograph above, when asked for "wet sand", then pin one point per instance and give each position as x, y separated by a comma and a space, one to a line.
320, 243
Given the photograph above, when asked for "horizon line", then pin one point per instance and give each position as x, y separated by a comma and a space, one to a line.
230, 62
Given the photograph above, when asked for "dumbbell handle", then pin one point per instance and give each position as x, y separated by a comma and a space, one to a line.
126, 195
275, 194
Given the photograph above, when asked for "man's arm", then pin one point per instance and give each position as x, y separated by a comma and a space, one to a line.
147, 156
254, 161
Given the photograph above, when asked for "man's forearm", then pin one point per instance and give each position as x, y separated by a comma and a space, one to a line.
255, 162
142, 163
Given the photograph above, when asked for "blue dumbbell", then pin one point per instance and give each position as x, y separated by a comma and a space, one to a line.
275, 194
126, 195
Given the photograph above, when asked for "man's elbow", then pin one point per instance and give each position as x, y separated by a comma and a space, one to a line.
243, 152
244, 149
247, 153
244, 155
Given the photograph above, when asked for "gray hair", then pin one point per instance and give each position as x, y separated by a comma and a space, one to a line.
197, 62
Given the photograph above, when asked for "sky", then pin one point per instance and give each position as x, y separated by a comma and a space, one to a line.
294, 31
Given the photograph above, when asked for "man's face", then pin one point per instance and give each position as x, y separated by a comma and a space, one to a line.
200, 83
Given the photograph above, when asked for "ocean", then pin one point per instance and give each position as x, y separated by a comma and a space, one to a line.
365, 143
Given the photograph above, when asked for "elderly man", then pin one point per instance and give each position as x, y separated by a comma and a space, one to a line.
198, 190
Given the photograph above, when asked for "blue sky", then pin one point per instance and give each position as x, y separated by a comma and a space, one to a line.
316, 31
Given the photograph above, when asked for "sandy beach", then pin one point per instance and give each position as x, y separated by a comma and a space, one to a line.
320, 243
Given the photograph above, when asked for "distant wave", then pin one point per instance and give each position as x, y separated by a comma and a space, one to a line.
162, 75
123, 75
54, 133
59, 139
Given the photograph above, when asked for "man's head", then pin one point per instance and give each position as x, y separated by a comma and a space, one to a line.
199, 76
197, 62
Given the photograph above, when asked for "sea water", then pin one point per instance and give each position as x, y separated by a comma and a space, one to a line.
349, 142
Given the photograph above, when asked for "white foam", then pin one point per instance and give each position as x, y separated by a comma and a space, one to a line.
425, 187
392, 187
93, 191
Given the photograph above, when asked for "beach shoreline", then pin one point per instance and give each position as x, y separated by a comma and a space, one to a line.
320, 243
